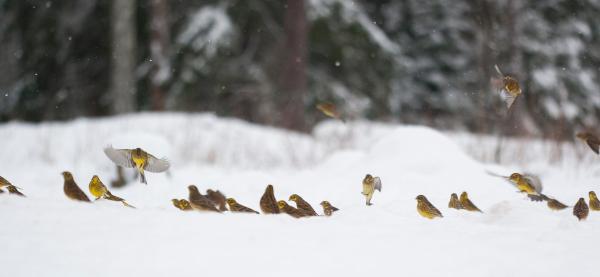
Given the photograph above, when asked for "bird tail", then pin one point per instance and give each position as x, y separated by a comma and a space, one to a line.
127, 204
143, 177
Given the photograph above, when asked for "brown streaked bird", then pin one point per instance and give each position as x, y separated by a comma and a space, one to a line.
328, 209
591, 140
508, 87
284, 207
138, 159
268, 203
218, 198
236, 207
581, 210
594, 202
454, 202
330, 110
72, 190
426, 209
467, 204
555, 205
13, 190
199, 201
302, 205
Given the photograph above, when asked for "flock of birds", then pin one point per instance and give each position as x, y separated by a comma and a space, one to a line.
215, 201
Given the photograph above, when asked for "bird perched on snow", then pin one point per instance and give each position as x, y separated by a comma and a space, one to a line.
330, 110
99, 190
426, 209
594, 202
581, 210
13, 190
218, 198
370, 184
467, 204
328, 209
182, 204
555, 205
590, 139
199, 201
302, 205
268, 203
137, 158
71, 189
285, 208
454, 202
236, 207
508, 87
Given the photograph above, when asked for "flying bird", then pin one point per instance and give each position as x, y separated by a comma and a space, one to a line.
370, 184
508, 87
138, 159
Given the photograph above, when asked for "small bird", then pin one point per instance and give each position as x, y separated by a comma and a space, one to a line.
508, 87
99, 190
467, 204
330, 110
592, 140
581, 210
13, 190
71, 189
284, 207
236, 207
302, 205
594, 202
328, 209
199, 201
268, 203
137, 158
555, 205
454, 202
182, 204
218, 198
529, 184
370, 184
426, 209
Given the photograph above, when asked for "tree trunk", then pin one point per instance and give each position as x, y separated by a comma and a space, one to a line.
123, 56
159, 44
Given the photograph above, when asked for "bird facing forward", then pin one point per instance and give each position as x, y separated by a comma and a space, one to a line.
302, 205
99, 190
268, 203
199, 201
581, 210
71, 189
467, 204
590, 139
426, 209
594, 202
236, 207
370, 184
284, 207
454, 202
138, 159
328, 209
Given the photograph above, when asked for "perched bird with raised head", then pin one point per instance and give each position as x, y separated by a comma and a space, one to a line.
218, 198
454, 202
508, 87
581, 210
426, 209
467, 204
138, 159
285, 208
302, 205
199, 201
99, 190
328, 209
555, 205
330, 110
370, 184
182, 204
594, 202
13, 190
590, 139
71, 189
236, 207
268, 203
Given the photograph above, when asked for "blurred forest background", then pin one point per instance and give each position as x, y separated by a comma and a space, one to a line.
270, 62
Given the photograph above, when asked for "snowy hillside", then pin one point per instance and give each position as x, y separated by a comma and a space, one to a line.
48, 235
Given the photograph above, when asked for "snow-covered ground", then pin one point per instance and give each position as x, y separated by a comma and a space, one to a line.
46, 234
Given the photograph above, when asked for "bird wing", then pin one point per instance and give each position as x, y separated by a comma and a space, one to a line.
377, 184
157, 165
534, 181
508, 98
121, 157
594, 145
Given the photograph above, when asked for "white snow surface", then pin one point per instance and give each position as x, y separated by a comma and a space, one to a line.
46, 234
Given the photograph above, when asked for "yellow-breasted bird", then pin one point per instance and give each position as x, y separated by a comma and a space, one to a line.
590, 139
555, 205
236, 207
467, 204
218, 198
99, 190
268, 203
581, 210
330, 110
426, 209
13, 190
594, 202
454, 202
138, 159
302, 205
508, 86
71, 189
199, 201
182, 204
527, 183
284, 207
328, 209
370, 184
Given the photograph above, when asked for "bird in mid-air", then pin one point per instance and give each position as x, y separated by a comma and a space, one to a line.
236, 207
426, 209
467, 204
590, 139
581, 210
285, 208
302, 205
268, 203
71, 189
199, 201
594, 202
328, 209
182, 204
330, 110
454, 203
370, 184
138, 159
99, 190
508, 87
